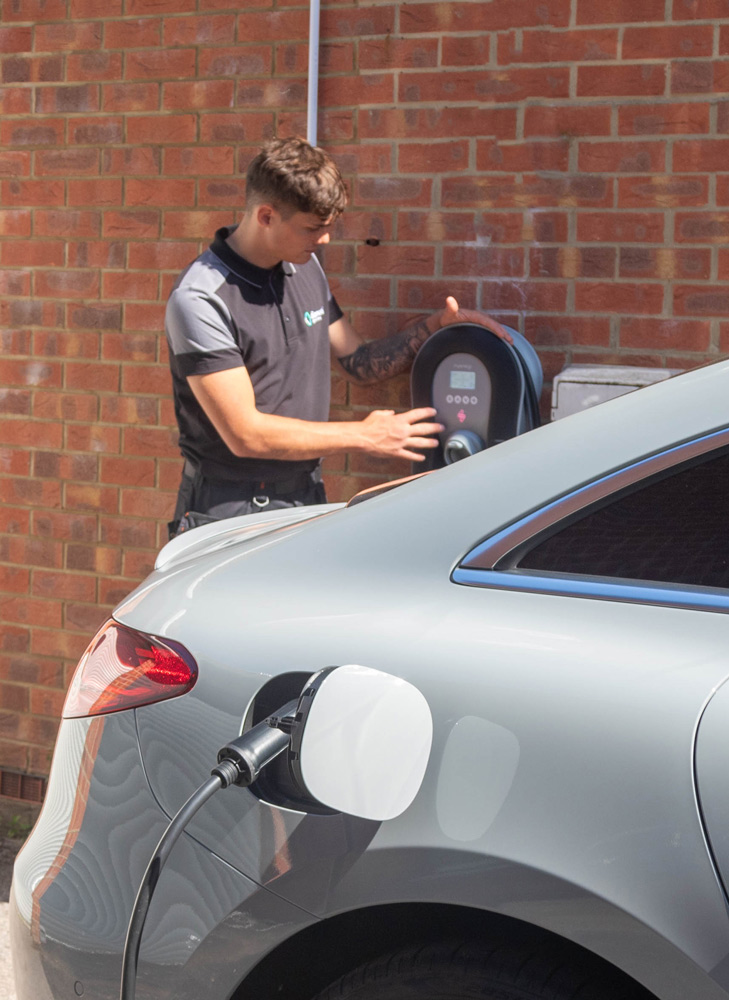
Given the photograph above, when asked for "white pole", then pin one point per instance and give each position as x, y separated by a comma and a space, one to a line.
312, 97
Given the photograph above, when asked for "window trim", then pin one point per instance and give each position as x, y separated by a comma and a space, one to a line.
481, 566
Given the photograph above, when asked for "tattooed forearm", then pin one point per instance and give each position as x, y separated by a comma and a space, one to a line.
381, 359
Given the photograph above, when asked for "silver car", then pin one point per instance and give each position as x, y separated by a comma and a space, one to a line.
559, 600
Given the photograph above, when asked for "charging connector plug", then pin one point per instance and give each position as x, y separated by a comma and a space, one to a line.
252, 751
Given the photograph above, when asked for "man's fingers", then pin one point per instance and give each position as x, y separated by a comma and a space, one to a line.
418, 414
422, 442
420, 430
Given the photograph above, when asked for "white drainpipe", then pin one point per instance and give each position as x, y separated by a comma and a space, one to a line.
312, 96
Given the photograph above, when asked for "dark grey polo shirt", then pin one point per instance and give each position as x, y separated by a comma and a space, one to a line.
225, 313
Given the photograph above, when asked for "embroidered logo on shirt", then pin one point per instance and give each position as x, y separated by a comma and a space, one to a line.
310, 318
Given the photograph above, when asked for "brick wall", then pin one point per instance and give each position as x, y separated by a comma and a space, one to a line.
568, 173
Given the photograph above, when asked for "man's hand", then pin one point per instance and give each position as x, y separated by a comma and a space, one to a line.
454, 314
393, 435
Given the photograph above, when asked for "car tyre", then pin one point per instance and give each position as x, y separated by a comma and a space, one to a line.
470, 972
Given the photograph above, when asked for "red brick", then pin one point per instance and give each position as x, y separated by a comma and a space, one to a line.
407, 53
85, 375
33, 132
142, 8
30, 372
33, 492
32, 193
94, 193
95, 65
560, 331
140, 33
49, 703
139, 286
620, 12
129, 97
137, 565
620, 81
159, 64
359, 90
398, 123
67, 223
35, 10
293, 58
665, 191
700, 300
134, 224
161, 256
64, 344
705, 155
484, 85
129, 347
647, 333
669, 42
204, 94
17, 101
94, 132
68, 586
227, 192
17, 39
572, 262
15, 401
397, 191
500, 15
80, 97
67, 284
701, 10
249, 127
345, 22
128, 471
159, 192
465, 261
143, 317
96, 253
194, 225
104, 316
618, 297
128, 532
65, 406
700, 77
518, 157
81, 9
557, 46
131, 162
31, 69
14, 164
212, 29
13, 697
622, 157
64, 526
235, 62
14, 221
14, 579
199, 160
53, 642
665, 263
94, 558
412, 260
146, 441
94, 438
91, 498
664, 119
147, 503
14, 283
532, 191
162, 128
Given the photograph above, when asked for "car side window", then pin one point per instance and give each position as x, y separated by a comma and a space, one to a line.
671, 530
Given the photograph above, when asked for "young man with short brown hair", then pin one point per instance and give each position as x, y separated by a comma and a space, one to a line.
252, 327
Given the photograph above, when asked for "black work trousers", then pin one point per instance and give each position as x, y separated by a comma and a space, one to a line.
201, 500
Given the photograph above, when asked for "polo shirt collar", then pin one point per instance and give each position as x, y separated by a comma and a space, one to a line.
258, 276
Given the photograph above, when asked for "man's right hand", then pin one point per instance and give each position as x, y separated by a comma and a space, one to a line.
393, 435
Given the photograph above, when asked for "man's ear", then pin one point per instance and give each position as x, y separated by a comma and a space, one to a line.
265, 215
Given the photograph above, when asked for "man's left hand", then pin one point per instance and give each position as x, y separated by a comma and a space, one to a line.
454, 314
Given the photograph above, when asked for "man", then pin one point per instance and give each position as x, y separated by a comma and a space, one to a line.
252, 326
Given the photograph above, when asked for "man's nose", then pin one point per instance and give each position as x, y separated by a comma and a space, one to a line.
324, 238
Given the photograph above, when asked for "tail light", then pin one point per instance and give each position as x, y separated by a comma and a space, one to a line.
123, 668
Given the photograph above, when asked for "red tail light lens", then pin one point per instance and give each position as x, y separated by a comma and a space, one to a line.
123, 668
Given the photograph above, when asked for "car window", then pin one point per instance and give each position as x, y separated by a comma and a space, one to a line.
672, 529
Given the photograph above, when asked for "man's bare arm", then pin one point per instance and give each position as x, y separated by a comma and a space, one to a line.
381, 359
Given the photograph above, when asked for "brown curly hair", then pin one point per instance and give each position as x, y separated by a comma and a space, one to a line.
293, 174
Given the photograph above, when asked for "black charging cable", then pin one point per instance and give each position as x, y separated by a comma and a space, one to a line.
239, 763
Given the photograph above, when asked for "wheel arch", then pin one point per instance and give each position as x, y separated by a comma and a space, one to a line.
306, 963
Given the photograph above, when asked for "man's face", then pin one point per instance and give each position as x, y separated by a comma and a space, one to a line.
296, 236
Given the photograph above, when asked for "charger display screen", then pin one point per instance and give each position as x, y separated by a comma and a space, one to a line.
462, 380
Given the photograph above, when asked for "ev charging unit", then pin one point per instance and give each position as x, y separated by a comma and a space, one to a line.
484, 389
